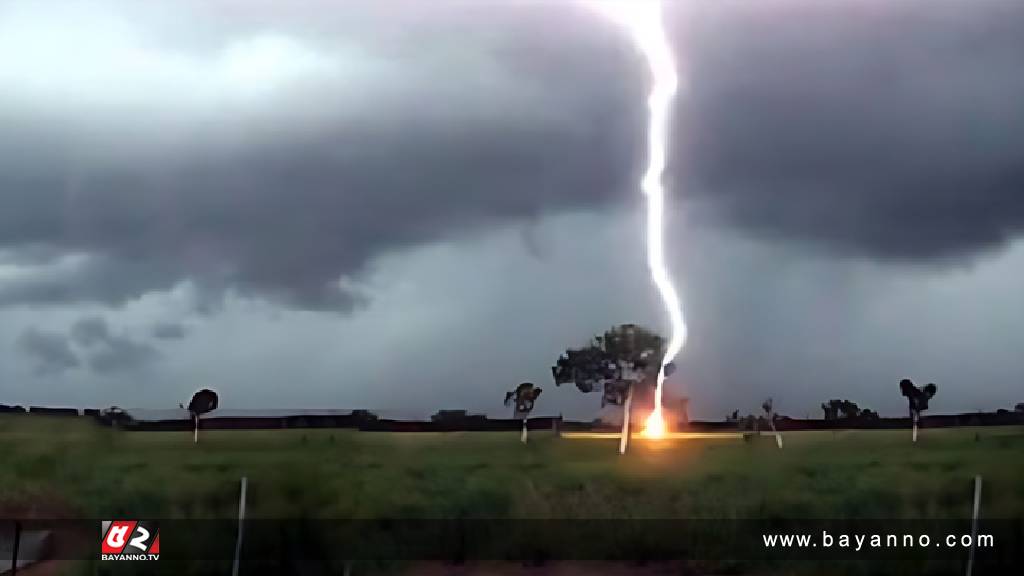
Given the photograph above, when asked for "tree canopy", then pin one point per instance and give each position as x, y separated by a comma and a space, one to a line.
917, 398
525, 395
623, 356
202, 402
836, 409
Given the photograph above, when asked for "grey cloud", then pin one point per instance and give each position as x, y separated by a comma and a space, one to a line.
109, 352
91, 342
879, 129
90, 331
98, 276
765, 321
285, 216
51, 351
168, 331
119, 354
876, 129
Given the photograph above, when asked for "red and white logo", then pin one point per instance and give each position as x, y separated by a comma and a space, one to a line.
129, 540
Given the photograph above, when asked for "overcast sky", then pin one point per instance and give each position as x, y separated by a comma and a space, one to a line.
415, 205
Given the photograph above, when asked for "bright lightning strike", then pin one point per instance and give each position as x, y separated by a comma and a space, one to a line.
643, 20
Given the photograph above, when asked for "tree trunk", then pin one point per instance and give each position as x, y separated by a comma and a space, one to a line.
778, 437
627, 410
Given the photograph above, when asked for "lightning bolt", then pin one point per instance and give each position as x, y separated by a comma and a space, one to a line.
643, 20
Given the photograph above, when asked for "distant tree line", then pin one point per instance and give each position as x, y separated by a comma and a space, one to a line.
837, 409
753, 422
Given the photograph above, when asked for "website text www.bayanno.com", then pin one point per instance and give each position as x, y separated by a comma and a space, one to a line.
858, 542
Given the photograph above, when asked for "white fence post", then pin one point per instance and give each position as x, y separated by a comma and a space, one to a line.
974, 523
624, 439
241, 526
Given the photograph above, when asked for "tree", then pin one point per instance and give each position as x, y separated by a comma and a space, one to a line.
202, 402
917, 400
833, 409
525, 395
837, 409
624, 353
1019, 407
849, 410
868, 415
116, 416
361, 416
616, 363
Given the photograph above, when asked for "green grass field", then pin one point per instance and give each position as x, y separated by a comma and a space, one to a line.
73, 467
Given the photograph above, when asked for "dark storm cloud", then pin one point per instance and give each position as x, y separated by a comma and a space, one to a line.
890, 130
887, 129
51, 351
269, 209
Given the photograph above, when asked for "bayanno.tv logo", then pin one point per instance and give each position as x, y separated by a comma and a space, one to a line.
129, 540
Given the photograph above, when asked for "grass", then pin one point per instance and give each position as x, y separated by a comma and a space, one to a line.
97, 472
74, 468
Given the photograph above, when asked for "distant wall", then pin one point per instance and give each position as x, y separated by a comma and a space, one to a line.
934, 421
703, 426
352, 422
453, 421
43, 411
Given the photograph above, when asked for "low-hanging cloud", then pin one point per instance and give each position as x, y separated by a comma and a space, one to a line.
50, 351
108, 352
277, 155
89, 342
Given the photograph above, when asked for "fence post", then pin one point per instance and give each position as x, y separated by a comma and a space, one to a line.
974, 523
241, 526
624, 439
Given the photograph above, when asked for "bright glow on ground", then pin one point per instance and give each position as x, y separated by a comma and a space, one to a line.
654, 428
666, 436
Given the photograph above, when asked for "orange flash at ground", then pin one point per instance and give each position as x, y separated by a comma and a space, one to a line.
644, 21
667, 436
654, 428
